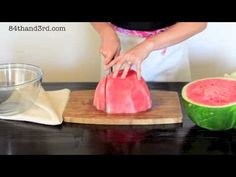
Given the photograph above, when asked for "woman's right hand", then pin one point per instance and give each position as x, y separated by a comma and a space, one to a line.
110, 43
110, 46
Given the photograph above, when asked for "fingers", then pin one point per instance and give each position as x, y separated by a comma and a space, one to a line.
119, 61
107, 57
124, 74
117, 68
138, 67
127, 68
114, 61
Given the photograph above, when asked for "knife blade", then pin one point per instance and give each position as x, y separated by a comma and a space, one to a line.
111, 68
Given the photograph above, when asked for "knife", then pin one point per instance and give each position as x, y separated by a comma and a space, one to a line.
105, 84
111, 68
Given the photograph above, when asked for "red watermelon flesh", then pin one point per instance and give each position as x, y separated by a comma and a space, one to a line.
116, 95
212, 92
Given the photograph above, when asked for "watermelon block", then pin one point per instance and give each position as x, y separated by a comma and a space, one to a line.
116, 95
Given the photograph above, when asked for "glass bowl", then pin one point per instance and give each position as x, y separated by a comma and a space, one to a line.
19, 87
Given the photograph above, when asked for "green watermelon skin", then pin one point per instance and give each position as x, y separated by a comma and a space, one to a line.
216, 119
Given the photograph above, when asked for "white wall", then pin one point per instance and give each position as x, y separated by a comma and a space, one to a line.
70, 55
213, 52
73, 55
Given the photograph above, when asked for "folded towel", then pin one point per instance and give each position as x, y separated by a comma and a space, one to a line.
47, 109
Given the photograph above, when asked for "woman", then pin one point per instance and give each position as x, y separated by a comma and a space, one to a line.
155, 50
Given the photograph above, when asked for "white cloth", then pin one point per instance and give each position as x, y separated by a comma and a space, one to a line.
48, 108
173, 66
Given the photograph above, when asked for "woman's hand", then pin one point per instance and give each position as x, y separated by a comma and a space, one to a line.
110, 46
134, 56
110, 43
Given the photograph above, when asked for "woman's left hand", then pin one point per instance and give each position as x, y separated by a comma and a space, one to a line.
134, 56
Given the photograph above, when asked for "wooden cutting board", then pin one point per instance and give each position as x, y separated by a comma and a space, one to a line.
166, 109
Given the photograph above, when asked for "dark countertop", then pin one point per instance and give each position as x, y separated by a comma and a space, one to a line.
29, 138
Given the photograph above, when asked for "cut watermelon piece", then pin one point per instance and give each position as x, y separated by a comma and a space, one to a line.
116, 95
100, 95
211, 102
